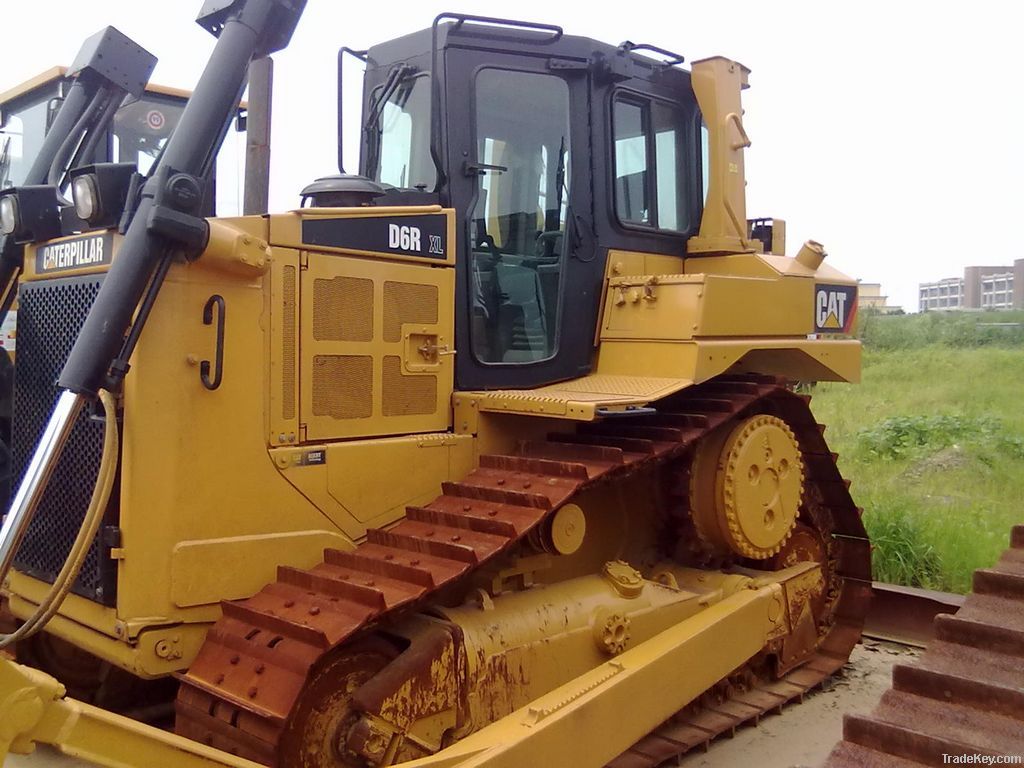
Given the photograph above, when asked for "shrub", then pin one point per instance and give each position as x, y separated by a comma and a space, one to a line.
901, 553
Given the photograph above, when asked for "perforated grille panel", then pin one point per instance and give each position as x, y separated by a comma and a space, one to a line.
343, 309
407, 395
359, 376
407, 303
343, 386
49, 316
288, 287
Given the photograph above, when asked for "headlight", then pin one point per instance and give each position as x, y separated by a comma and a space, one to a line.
100, 192
85, 193
8, 214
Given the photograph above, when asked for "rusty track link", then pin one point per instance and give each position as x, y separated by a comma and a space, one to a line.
250, 672
965, 694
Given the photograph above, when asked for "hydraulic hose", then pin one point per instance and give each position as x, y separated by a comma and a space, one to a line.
86, 534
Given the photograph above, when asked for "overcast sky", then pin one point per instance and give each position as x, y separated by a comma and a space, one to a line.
890, 131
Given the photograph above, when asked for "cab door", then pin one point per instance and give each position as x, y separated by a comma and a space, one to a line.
528, 279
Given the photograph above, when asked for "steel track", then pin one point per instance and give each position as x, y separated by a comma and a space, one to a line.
251, 671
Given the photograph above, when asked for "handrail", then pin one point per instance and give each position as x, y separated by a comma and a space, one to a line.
672, 58
363, 57
494, 21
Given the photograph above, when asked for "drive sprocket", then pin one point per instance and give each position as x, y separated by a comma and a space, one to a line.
746, 487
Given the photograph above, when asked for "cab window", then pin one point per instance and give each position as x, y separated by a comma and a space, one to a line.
400, 135
518, 224
650, 163
142, 128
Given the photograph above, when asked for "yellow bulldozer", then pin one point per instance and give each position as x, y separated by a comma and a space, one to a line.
486, 456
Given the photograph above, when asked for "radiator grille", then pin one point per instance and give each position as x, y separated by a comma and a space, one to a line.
343, 386
343, 309
49, 315
407, 395
288, 344
407, 303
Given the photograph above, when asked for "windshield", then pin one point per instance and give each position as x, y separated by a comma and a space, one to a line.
399, 135
142, 128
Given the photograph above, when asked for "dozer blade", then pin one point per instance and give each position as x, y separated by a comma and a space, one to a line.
33, 711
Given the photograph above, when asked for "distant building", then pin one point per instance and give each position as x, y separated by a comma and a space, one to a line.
942, 294
997, 291
870, 296
994, 287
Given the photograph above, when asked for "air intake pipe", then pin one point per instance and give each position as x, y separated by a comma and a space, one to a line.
717, 83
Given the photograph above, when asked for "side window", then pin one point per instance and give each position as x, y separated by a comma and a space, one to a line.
650, 134
518, 224
401, 142
669, 151
631, 152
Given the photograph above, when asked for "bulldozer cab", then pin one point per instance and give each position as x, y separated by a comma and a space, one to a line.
139, 130
553, 150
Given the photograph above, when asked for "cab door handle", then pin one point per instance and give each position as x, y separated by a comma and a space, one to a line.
204, 366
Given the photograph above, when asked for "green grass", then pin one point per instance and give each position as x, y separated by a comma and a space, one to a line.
933, 441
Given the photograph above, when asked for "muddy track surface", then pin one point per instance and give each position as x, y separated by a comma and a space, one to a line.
255, 663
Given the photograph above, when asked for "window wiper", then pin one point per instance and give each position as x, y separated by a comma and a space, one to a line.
560, 177
553, 218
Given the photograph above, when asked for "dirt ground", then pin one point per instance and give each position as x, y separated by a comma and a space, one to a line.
802, 735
